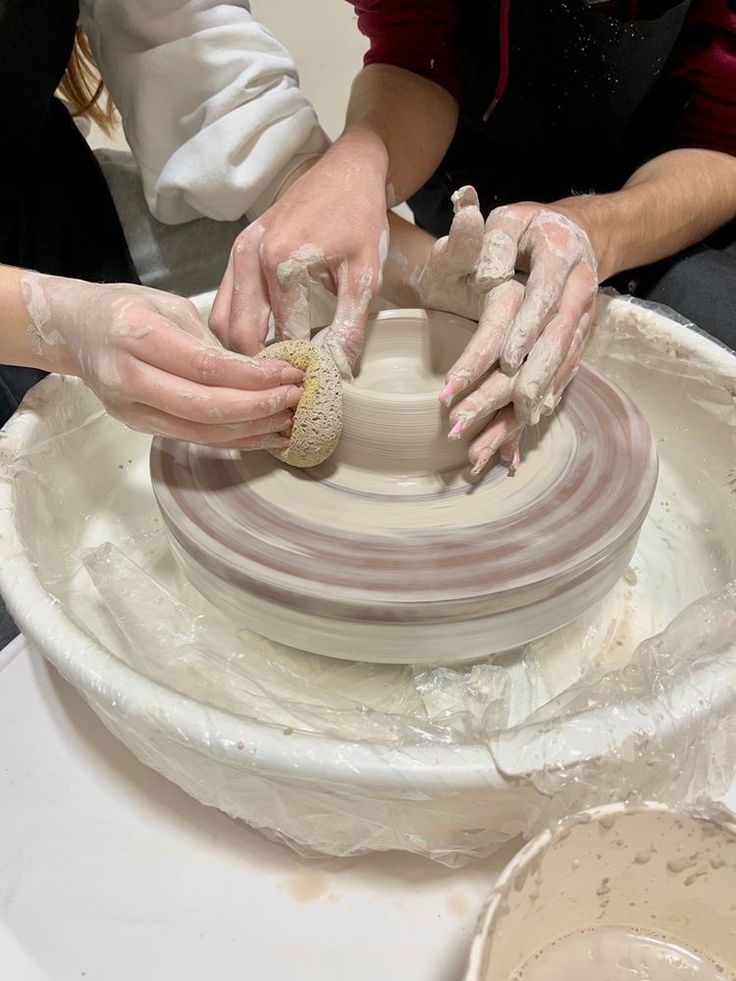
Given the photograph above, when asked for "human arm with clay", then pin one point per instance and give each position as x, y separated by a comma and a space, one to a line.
531, 335
538, 337
149, 358
329, 223
532, 332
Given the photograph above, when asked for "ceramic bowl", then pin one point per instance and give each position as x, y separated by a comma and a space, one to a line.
386, 552
393, 420
645, 868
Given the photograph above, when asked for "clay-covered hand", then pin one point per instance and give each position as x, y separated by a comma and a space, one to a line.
329, 226
551, 327
546, 328
449, 281
156, 366
535, 333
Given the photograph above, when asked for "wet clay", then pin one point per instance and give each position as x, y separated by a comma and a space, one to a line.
387, 552
624, 891
616, 953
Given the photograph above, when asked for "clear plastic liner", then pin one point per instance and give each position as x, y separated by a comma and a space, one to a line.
661, 728
341, 758
188, 645
203, 652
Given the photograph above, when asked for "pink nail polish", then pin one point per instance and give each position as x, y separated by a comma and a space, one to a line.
482, 462
512, 462
457, 430
447, 394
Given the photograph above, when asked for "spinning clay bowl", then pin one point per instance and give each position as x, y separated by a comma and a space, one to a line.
386, 552
393, 421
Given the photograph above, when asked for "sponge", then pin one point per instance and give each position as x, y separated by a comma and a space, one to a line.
318, 417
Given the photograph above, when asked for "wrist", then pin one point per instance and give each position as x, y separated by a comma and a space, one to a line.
594, 213
358, 152
56, 359
294, 176
360, 143
408, 255
51, 303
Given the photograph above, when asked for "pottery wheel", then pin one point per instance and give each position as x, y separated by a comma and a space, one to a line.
385, 566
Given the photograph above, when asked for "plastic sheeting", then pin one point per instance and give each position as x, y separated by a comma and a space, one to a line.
342, 758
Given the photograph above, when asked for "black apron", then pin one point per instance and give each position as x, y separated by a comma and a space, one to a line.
57, 215
589, 99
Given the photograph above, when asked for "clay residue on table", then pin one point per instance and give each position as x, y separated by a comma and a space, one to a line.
307, 886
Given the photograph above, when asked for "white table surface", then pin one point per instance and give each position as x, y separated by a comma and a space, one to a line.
109, 872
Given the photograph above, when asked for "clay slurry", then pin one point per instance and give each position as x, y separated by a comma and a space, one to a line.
615, 953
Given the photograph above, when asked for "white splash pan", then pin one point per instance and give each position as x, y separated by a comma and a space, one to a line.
336, 796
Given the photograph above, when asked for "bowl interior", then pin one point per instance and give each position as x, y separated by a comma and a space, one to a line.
393, 421
409, 352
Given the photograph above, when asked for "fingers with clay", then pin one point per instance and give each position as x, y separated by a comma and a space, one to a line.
154, 364
345, 338
464, 242
447, 281
501, 243
500, 306
535, 333
261, 279
240, 314
501, 436
569, 367
258, 435
557, 251
564, 334
329, 227
495, 393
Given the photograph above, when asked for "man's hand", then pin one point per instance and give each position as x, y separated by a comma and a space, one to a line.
534, 333
554, 317
329, 226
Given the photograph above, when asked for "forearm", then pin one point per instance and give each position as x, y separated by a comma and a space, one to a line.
231, 99
411, 118
20, 342
409, 249
671, 202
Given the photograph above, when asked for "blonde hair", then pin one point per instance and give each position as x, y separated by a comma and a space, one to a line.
83, 88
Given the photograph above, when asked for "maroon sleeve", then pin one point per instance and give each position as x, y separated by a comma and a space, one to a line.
707, 63
415, 35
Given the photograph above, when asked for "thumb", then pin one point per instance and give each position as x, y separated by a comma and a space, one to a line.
465, 238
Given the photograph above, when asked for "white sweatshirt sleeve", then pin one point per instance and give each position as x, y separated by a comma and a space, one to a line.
210, 103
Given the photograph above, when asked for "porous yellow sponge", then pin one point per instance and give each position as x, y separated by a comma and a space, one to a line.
318, 417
